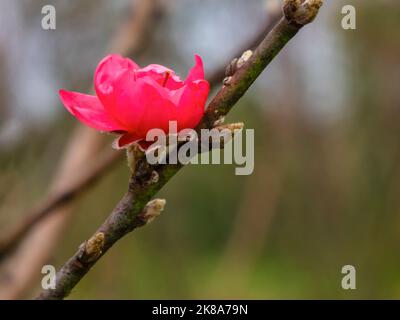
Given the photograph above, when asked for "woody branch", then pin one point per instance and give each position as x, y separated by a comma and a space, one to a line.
147, 180
10, 241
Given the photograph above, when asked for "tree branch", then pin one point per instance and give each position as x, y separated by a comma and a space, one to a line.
273, 15
90, 251
11, 240
21, 267
147, 180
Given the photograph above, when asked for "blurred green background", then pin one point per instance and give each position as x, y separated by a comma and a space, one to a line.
326, 185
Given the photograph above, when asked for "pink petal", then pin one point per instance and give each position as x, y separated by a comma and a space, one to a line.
127, 106
156, 68
159, 74
158, 109
142, 105
89, 110
107, 74
190, 101
197, 72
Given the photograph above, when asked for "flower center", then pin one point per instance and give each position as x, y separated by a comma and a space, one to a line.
166, 77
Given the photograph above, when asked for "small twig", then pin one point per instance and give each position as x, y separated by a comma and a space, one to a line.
11, 240
91, 250
273, 15
243, 78
143, 186
83, 146
226, 133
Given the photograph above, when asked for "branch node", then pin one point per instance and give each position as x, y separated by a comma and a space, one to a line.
231, 127
301, 12
235, 64
154, 177
152, 210
228, 130
227, 81
133, 153
231, 68
92, 248
219, 121
244, 58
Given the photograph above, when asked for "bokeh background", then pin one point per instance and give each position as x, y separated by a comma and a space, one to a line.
325, 190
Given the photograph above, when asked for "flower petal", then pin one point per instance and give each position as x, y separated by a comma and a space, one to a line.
162, 75
107, 75
197, 72
142, 105
190, 102
89, 110
130, 101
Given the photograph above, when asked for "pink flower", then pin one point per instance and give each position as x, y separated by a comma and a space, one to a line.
131, 100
